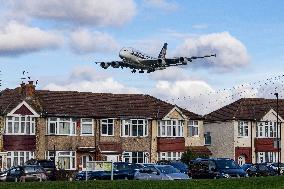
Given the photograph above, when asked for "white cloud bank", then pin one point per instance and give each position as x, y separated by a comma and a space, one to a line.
83, 41
78, 12
17, 39
231, 52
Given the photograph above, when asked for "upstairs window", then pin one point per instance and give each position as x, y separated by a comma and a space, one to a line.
87, 126
20, 125
170, 128
61, 126
107, 127
193, 129
267, 129
134, 128
243, 129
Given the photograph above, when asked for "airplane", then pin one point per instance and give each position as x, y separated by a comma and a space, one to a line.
136, 60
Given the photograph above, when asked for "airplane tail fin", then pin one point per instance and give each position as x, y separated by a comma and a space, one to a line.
163, 52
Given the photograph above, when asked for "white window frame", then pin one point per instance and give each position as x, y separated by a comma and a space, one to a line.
169, 155
243, 129
11, 120
57, 120
166, 128
84, 122
266, 129
129, 157
59, 154
263, 157
193, 128
106, 122
85, 159
12, 155
130, 125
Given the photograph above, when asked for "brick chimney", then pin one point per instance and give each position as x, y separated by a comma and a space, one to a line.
28, 90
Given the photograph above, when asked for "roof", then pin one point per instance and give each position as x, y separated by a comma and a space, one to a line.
246, 109
87, 104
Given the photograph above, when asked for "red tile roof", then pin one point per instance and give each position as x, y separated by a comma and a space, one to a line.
86, 104
246, 109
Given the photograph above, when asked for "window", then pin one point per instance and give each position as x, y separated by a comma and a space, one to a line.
87, 126
170, 128
243, 129
266, 129
134, 128
64, 159
193, 128
15, 158
107, 127
169, 155
263, 157
135, 157
61, 126
207, 138
20, 125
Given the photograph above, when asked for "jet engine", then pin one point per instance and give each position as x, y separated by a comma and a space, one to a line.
115, 64
161, 61
183, 60
105, 65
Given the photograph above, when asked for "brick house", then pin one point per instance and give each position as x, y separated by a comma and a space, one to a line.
246, 130
75, 127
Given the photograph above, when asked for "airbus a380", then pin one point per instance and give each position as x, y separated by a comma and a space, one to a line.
136, 60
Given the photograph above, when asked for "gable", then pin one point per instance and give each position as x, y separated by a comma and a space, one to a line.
23, 109
271, 115
175, 113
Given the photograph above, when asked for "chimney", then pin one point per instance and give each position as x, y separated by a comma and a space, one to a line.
28, 90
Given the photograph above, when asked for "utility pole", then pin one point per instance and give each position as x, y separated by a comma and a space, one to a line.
277, 129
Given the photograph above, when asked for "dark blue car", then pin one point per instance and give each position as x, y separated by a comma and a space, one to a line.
121, 170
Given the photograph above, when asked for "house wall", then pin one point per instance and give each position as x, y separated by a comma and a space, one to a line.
222, 139
154, 138
194, 140
2, 129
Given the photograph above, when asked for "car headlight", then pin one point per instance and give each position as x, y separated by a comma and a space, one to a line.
246, 175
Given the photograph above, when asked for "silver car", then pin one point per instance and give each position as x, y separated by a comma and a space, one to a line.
160, 172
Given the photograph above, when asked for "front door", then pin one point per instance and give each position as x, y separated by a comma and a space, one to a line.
241, 160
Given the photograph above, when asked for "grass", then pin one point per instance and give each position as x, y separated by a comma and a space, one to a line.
249, 183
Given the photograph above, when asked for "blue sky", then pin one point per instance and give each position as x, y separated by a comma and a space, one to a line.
58, 43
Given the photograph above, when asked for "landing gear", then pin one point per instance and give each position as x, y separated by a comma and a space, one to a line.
141, 71
133, 71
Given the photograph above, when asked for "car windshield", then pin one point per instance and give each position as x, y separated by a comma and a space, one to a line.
46, 164
276, 164
245, 166
179, 165
168, 169
227, 164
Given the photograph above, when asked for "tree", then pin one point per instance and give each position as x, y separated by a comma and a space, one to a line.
188, 155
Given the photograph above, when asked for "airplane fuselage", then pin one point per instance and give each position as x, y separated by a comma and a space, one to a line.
134, 57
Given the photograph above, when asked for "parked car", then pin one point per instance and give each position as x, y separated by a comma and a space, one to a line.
275, 167
3, 175
182, 167
48, 165
214, 168
259, 169
160, 172
121, 170
26, 173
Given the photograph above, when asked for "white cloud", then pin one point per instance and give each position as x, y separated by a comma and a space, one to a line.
169, 74
83, 41
16, 39
231, 52
87, 79
79, 12
162, 4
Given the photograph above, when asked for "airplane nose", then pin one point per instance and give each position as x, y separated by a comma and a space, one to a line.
121, 53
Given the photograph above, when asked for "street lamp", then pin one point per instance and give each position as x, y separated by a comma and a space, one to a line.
277, 129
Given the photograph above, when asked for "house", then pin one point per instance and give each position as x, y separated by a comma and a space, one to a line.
76, 127
246, 130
